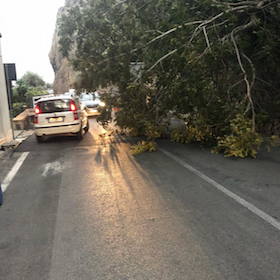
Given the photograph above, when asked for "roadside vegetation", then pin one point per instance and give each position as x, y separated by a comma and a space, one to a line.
214, 64
31, 84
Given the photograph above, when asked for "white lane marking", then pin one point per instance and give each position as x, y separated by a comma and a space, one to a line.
47, 168
232, 195
14, 171
53, 167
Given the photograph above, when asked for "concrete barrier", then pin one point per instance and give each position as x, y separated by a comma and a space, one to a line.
23, 120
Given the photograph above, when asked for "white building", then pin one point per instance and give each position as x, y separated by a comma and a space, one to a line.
6, 134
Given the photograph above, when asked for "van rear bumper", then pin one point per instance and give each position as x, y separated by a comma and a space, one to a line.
57, 129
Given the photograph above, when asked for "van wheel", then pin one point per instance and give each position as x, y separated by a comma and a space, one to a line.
40, 139
87, 127
80, 134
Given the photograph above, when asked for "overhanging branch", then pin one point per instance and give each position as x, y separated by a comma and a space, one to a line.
245, 80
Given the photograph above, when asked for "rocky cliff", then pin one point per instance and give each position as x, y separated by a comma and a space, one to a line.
64, 75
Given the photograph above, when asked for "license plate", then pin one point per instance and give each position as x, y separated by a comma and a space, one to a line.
58, 119
93, 111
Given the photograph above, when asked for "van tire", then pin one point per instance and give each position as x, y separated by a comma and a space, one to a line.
80, 134
40, 139
87, 127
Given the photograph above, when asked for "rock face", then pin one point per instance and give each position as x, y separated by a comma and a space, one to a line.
64, 75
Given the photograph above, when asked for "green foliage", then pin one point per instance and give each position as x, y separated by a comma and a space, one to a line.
49, 85
189, 134
18, 108
30, 79
31, 84
242, 141
143, 146
272, 142
189, 70
154, 131
199, 128
35, 92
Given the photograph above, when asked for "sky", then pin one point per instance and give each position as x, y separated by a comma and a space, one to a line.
27, 28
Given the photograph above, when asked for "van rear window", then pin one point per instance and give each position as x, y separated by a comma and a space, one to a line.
51, 106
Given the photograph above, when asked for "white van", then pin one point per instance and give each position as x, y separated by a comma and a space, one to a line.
60, 115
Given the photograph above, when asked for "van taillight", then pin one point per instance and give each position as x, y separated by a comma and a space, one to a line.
37, 110
73, 108
76, 117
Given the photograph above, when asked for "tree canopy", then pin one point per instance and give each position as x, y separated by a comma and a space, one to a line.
30, 84
32, 80
213, 63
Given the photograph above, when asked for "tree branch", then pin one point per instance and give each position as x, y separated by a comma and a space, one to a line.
240, 28
206, 37
203, 24
253, 69
200, 56
233, 86
245, 80
162, 58
116, 5
151, 41
267, 83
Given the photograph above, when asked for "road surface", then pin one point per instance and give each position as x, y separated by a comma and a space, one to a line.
90, 210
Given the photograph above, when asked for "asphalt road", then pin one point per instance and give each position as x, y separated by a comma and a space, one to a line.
89, 210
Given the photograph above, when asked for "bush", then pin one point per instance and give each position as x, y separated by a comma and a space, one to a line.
18, 108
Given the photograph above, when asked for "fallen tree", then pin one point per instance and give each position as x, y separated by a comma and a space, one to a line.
213, 64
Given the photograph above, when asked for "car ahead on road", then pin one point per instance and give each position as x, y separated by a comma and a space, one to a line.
60, 115
92, 102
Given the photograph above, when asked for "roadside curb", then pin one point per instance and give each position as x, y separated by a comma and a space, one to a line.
24, 135
8, 146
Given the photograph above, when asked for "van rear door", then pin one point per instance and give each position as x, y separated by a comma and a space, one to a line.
55, 111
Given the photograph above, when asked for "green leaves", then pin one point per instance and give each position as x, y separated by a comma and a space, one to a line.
242, 142
202, 79
35, 91
30, 79
143, 146
29, 85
